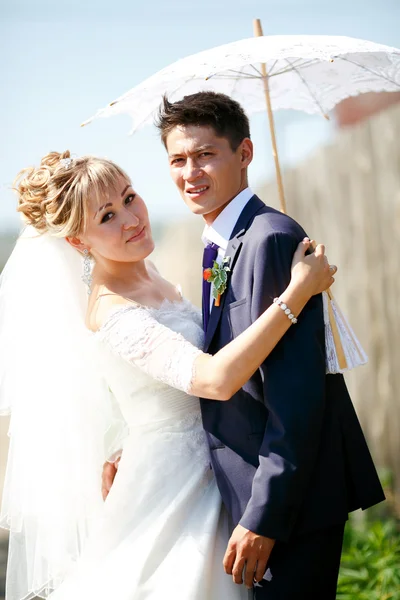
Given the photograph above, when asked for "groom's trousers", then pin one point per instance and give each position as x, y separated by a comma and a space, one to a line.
306, 568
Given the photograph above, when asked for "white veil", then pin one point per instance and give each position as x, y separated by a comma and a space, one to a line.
62, 414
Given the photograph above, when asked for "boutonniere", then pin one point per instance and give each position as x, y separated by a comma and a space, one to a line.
218, 277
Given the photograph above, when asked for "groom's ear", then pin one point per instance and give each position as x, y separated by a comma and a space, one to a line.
246, 152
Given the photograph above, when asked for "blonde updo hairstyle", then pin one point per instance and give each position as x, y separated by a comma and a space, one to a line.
54, 197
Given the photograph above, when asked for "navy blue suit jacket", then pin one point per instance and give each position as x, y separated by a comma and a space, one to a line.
287, 450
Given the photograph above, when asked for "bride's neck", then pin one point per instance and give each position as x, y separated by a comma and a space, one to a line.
121, 273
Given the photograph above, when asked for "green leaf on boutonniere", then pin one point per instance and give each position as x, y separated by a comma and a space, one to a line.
218, 276
217, 282
223, 277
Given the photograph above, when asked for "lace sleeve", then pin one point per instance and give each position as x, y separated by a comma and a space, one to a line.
136, 336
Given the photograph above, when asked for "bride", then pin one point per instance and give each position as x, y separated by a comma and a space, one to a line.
84, 374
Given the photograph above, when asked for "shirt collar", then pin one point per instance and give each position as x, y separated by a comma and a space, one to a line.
219, 232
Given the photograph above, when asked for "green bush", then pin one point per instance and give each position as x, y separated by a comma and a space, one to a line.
370, 566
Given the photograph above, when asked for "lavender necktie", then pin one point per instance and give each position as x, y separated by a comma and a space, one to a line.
209, 256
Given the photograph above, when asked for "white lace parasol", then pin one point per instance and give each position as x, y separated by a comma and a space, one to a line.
311, 73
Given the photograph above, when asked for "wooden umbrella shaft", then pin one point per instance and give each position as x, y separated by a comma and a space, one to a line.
258, 33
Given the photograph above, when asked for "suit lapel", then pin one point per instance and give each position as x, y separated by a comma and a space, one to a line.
232, 251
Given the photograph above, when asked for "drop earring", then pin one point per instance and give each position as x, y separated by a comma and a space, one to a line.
87, 271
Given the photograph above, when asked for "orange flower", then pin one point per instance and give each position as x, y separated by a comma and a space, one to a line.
207, 274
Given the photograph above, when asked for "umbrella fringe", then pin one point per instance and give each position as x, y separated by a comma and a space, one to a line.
343, 350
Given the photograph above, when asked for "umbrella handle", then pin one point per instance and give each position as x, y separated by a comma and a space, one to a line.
258, 32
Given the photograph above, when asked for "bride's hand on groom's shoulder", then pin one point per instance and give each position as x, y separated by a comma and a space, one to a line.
107, 479
312, 272
247, 556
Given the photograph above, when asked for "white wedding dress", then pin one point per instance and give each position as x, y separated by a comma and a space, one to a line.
163, 532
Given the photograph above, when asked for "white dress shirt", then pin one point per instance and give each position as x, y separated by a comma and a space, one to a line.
219, 232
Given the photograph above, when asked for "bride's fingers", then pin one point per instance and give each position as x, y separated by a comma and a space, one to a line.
301, 249
333, 269
320, 250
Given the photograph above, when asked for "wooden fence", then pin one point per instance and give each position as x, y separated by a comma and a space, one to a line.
348, 196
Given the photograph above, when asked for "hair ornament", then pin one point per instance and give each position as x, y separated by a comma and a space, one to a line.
66, 162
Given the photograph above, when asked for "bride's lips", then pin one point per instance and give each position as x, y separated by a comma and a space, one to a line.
197, 192
138, 236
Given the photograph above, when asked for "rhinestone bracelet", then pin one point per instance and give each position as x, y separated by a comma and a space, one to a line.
286, 310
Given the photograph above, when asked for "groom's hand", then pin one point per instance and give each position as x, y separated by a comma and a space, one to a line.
247, 551
109, 472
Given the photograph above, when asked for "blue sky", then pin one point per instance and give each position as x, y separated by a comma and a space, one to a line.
61, 61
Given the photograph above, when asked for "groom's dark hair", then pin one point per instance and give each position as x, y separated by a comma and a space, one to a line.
205, 109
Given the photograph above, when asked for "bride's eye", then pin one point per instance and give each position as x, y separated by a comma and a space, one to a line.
107, 217
129, 199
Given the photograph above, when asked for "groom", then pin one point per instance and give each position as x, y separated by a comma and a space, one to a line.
287, 450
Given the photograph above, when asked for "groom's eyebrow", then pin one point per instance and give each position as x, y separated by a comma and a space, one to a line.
195, 150
204, 147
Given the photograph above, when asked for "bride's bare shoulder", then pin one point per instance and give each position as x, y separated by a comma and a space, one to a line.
101, 304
